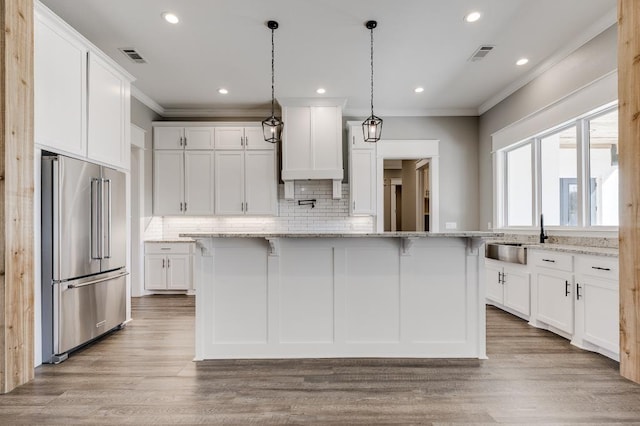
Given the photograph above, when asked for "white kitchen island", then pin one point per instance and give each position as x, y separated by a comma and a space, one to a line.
325, 295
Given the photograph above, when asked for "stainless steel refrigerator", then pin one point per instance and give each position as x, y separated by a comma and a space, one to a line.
83, 253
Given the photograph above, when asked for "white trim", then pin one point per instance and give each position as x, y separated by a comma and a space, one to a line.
215, 112
137, 136
417, 112
142, 97
205, 123
403, 150
602, 92
594, 30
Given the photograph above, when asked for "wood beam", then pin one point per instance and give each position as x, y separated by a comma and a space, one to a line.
16, 194
629, 161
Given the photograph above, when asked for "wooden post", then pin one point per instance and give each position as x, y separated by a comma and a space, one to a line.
16, 193
629, 141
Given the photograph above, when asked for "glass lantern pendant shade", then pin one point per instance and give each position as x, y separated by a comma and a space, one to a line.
372, 126
272, 126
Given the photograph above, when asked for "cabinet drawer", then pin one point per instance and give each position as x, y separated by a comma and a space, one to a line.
597, 266
552, 260
169, 248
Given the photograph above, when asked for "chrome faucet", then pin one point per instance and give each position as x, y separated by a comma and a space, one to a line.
543, 235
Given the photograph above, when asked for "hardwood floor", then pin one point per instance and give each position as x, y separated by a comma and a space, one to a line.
143, 374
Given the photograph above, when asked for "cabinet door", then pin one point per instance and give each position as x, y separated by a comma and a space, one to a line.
198, 183
168, 183
60, 81
178, 272
155, 272
517, 290
296, 146
327, 138
597, 312
255, 139
357, 138
229, 138
229, 182
198, 137
168, 137
363, 181
107, 135
260, 182
555, 299
494, 283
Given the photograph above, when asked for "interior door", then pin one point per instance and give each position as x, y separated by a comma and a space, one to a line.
114, 219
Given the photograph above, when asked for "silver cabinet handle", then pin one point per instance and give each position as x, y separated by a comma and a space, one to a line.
162, 263
578, 287
180, 143
241, 141
181, 206
185, 141
168, 263
246, 206
353, 138
246, 141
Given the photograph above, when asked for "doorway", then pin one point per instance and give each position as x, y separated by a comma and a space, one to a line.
415, 189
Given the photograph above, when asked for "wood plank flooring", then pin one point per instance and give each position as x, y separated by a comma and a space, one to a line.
143, 374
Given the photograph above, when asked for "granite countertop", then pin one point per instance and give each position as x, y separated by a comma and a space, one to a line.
597, 251
171, 240
461, 234
567, 248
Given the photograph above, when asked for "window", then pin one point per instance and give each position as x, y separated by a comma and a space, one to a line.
603, 169
569, 174
519, 188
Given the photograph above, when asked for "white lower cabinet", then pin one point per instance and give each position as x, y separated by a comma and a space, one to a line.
508, 287
168, 266
597, 305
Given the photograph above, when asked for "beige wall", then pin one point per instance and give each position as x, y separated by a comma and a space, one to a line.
595, 59
409, 185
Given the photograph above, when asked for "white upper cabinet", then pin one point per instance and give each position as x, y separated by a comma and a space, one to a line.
168, 183
241, 138
362, 173
188, 138
198, 182
60, 70
81, 96
229, 188
260, 191
109, 117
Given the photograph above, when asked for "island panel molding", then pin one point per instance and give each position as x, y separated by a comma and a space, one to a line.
339, 295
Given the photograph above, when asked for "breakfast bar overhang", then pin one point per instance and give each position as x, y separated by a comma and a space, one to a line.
331, 295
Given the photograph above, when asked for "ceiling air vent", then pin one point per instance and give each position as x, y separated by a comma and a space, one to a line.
133, 55
481, 53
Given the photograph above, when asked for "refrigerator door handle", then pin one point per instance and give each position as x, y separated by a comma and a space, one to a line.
124, 274
96, 219
107, 213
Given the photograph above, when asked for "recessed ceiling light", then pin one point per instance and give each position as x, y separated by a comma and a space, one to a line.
472, 17
223, 91
522, 61
321, 91
170, 17
419, 89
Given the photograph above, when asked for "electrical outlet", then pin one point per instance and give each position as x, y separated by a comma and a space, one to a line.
451, 225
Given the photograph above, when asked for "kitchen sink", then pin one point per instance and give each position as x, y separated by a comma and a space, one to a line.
506, 252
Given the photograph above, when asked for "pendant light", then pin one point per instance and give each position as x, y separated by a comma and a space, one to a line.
372, 126
272, 126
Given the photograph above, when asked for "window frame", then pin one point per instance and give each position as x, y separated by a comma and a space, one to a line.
581, 124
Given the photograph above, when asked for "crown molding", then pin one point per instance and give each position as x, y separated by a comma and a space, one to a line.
142, 97
597, 28
216, 112
446, 112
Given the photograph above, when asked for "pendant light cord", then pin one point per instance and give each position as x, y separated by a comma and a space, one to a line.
372, 72
272, 73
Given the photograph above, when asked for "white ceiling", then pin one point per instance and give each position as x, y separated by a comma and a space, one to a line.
323, 43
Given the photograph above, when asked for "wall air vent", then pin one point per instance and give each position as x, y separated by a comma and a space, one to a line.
132, 54
481, 53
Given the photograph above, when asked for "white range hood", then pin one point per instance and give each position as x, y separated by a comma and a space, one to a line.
312, 141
